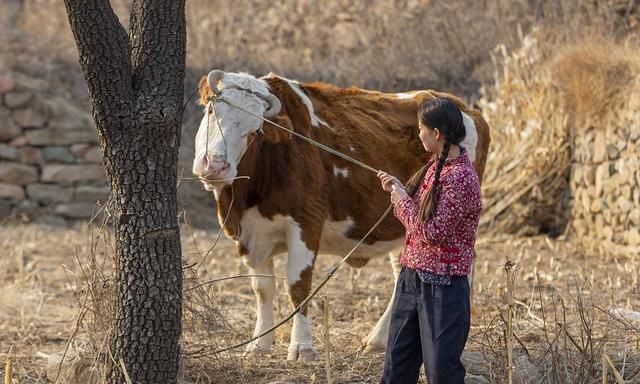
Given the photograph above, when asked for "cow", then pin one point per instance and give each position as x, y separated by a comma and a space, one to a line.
277, 194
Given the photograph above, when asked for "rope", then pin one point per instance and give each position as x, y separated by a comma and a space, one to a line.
333, 270
329, 275
296, 134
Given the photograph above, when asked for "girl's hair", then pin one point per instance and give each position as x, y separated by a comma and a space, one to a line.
446, 116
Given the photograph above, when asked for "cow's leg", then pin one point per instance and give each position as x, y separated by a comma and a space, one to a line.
299, 276
264, 288
376, 340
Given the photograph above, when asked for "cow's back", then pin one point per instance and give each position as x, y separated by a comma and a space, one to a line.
378, 129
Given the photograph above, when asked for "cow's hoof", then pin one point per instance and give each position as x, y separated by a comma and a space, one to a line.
373, 348
256, 350
295, 354
371, 345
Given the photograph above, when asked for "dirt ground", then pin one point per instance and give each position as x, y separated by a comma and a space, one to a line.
562, 306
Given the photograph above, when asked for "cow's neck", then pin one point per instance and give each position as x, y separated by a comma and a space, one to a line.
265, 165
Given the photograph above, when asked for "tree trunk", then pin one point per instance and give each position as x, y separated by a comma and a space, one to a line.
136, 89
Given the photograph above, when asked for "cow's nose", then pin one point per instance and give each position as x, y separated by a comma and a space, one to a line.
213, 166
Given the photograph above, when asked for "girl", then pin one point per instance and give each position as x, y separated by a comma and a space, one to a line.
440, 209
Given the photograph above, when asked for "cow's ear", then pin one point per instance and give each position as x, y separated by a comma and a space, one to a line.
204, 89
275, 134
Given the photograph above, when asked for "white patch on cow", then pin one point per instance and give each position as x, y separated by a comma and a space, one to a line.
301, 338
261, 236
300, 257
344, 172
245, 81
315, 119
224, 129
351, 148
470, 141
407, 95
264, 288
334, 241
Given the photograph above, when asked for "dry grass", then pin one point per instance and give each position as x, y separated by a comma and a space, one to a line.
525, 188
561, 318
56, 282
594, 77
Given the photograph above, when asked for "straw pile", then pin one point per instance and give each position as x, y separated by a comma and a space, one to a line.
525, 187
565, 156
602, 83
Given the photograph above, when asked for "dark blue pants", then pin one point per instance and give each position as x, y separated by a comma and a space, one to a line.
430, 325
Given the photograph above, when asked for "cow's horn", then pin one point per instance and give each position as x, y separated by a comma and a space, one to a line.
274, 105
213, 78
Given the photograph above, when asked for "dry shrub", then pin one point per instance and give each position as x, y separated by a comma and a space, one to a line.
568, 311
526, 181
594, 76
545, 94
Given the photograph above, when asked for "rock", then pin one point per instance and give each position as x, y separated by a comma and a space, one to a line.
26, 206
602, 175
93, 155
625, 205
475, 362
612, 185
16, 173
75, 210
625, 314
91, 193
580, 227
6, 83
69, 173
18, 141
6, 208
57, 155
589, 172
599, 148
43, 137
30, 155
596, 206
65, 116
524, 371
577, 172
17, 99
47, 193
79, 150
8, 129
634, 216
585, 201
625, 192
11, 191
612, 152
475, 379
599, 226
632, 237
8, 152
29, 118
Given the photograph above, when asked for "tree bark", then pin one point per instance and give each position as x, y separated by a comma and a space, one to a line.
136, 89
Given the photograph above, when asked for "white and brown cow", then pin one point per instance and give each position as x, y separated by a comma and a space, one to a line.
300, 200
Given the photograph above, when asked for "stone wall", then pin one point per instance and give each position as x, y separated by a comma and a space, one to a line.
605, 180
50, 162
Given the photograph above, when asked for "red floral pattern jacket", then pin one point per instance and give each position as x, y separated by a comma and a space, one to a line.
443, 245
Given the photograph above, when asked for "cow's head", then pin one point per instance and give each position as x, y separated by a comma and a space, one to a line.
226, 131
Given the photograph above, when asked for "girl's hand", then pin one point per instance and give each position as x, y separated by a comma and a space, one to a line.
388, 181
397, 193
